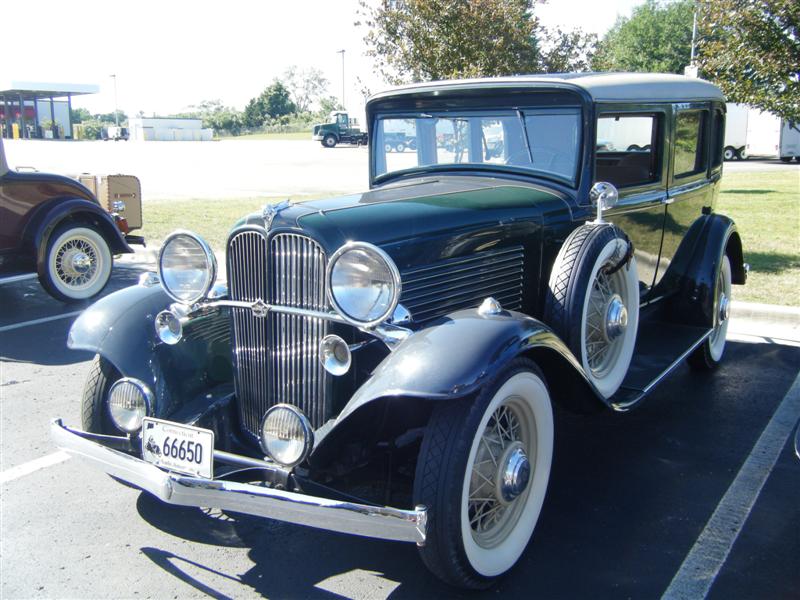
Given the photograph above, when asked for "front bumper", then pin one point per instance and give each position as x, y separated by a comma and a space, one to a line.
316, 137
346, 517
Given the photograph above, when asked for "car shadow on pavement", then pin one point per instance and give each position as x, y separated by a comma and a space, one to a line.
42, 337
627, 498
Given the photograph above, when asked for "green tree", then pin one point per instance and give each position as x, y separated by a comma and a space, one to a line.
109, 117
327, 106
79, 115
216, 116
305, 86
751, 49
656, 38
421, 40
275, 101
567, 51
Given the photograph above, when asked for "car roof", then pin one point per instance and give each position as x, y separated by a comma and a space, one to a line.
601, 87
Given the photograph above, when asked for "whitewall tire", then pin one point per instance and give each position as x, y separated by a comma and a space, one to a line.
593, 303
482, 472
708, 356
78, 263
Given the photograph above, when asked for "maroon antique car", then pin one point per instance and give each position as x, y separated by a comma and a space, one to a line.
56, 228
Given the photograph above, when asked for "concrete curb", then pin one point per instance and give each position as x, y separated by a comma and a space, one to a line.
772, 313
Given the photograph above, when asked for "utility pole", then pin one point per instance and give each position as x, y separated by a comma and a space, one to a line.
342, 53
694, 36
116, 112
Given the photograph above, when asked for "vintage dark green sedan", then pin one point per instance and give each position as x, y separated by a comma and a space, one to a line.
385, 364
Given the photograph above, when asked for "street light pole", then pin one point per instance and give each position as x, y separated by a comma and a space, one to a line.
116, 112
342, 53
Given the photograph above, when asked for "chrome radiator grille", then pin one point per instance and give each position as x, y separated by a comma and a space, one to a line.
276, 356
436, 289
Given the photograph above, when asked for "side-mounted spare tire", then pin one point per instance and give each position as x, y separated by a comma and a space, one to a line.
593, 302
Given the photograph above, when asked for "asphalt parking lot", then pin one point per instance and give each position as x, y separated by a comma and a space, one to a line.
630, 503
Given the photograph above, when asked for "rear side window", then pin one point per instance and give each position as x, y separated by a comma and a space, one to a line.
690, 143
627, 149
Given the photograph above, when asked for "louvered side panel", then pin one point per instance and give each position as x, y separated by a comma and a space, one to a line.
453, 284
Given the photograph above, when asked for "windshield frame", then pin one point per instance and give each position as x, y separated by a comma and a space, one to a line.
520, 113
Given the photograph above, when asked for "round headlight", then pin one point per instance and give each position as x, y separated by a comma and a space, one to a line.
363, 283
187, 267
286, 435
129, 401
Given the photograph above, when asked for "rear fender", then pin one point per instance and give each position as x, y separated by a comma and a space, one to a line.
696, 265
456, 355
120, 328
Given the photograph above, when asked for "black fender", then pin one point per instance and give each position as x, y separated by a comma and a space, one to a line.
455, 355
55, 212
120, 328
695, 267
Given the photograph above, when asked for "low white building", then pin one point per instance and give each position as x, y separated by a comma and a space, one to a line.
168, 130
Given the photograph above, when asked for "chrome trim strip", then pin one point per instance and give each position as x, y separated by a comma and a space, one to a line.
380, 522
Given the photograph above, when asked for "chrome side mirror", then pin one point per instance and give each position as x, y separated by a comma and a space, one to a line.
603, 196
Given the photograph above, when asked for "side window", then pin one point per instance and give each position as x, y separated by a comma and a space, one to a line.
627, 149
690, 155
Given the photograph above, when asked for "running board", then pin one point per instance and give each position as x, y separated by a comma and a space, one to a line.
660, 349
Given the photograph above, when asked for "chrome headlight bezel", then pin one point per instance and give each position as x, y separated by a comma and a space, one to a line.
394, 274
211, 262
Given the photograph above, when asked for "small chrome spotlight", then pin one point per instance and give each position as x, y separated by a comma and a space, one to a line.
169, 327
286, 435
334, 354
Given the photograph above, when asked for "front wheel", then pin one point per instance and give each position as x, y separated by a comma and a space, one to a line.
78, 263
482, 473
329, 141
94, 404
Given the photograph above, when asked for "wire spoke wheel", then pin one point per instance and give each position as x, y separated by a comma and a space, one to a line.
78, 263
492, 508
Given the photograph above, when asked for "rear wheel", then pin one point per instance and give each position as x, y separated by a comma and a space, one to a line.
482, 473
708, 356
786, 159
401, 147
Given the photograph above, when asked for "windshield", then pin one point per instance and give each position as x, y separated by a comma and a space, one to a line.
542, 141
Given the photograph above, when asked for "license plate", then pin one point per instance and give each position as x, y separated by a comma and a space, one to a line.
179, 448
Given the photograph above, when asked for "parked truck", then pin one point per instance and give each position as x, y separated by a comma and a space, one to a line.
340, 129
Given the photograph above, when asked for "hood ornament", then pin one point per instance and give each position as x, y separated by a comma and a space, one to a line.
270, 211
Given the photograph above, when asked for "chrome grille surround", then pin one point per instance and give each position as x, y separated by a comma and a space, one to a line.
452, 284
276, 356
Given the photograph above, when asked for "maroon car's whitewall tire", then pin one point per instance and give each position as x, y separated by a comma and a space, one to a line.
78, 263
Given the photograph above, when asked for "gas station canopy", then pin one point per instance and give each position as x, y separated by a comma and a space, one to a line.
34, 109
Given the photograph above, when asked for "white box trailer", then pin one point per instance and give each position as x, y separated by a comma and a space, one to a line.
736, 131
789, 146
763, 134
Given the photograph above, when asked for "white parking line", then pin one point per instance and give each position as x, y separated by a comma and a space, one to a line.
704, 561
38, 321
32, 466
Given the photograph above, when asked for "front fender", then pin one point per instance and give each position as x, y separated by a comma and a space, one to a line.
457, 354
120, 328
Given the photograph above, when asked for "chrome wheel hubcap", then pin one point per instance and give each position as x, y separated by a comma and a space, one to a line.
724, 308
76, 262
514, 472
616, 318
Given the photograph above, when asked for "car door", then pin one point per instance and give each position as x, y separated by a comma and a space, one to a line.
694, 178
630, 153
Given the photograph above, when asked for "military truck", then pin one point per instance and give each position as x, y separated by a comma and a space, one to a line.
339, 129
